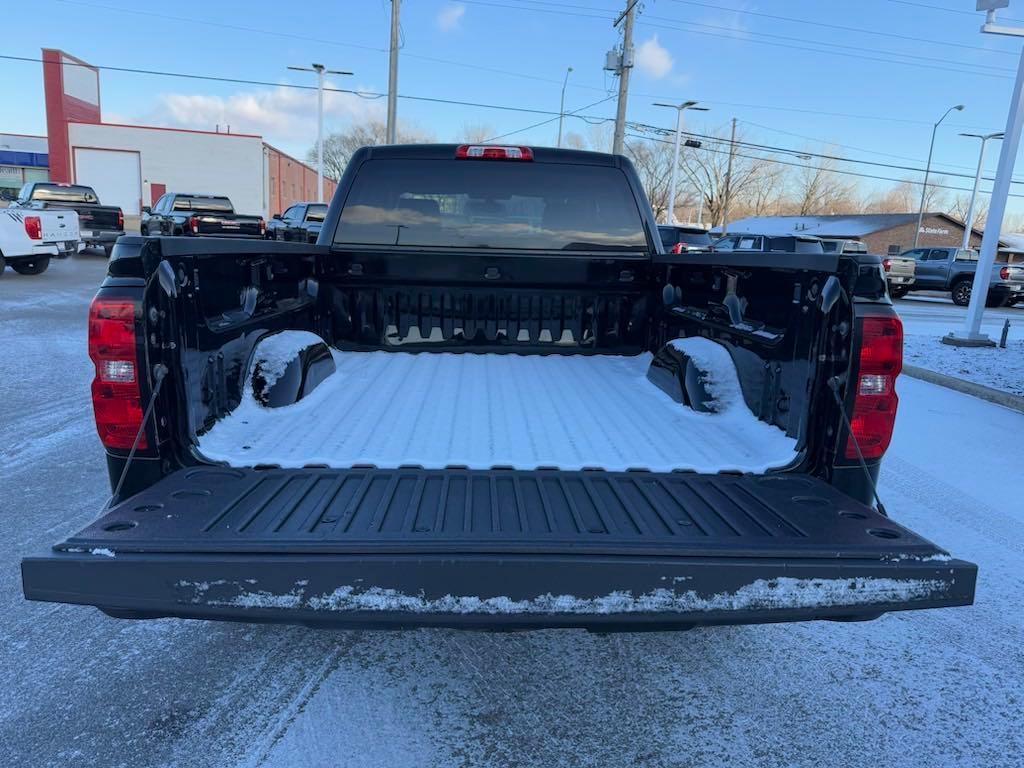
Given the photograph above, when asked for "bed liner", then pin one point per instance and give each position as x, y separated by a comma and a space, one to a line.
481, 411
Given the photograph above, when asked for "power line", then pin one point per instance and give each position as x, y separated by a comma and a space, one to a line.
552, 119
816, 168
843, 27
820, 155
827, 51
948, 10
742, 36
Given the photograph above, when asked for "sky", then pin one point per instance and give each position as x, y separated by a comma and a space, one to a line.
863, 79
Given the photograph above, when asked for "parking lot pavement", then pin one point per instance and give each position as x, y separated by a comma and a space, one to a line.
935, 314
935, 688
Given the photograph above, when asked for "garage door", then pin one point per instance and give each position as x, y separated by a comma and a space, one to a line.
115, 176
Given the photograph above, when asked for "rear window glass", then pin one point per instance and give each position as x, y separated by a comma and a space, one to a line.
316, 213
671, 236
477, 204
62, 194
211, 204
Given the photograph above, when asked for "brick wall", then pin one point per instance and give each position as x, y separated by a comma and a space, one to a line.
943, 232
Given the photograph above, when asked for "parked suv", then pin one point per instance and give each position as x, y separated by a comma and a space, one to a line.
300, 223
743, 241
952, 269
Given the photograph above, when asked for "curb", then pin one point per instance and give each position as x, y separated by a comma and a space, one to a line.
997, 396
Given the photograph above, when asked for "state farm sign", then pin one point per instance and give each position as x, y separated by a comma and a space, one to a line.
934, 231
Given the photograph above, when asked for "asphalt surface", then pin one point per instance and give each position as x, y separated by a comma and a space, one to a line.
938, 688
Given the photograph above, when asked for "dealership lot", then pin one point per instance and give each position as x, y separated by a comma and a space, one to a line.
928, 688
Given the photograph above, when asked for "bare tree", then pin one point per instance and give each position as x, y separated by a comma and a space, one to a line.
962, 203
818, 189
476, 133
653, 163
574, 140
707, 167
905, 197
338, 147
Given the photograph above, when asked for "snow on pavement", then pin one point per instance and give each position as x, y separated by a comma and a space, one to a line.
938, 688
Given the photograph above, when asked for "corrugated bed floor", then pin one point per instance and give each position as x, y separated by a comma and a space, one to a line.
390, 409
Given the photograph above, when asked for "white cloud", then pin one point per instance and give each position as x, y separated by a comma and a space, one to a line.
449, 17
653, 59
279, 114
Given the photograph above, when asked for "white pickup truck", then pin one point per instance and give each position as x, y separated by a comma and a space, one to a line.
28, 239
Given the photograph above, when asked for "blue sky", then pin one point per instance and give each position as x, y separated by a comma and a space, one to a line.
864, 78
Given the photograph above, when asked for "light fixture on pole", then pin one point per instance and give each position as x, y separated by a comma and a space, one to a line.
969, 222
971, 334
561, 106
320, 72
675, 157
927, 170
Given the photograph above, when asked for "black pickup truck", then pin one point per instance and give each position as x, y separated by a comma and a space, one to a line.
487, 398
178, 214
300, 223
98, 225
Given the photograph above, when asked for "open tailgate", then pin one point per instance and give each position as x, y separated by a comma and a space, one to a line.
496, 549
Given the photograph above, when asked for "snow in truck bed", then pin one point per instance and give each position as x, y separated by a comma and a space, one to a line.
569, 412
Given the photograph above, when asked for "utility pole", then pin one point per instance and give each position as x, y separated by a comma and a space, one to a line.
675, 158
561, 108
625, 65
971, 334
927, 171
969, 222
392, 126
728, 180
320, 72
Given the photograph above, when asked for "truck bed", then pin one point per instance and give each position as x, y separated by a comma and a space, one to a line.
500, 548
569, 412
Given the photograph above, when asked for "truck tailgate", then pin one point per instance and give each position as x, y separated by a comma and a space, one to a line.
223, 225
497, 549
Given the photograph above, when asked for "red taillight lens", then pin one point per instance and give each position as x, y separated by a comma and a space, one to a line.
115, 389
263, 226
120, 219
677, 248
886, 264
875, 401
1004, 273
492, 152
34, 227
193, 224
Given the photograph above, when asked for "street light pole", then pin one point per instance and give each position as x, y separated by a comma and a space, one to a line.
927, 171
392, 124
675, 157
971, 334
320, 71
561, 107
969, 222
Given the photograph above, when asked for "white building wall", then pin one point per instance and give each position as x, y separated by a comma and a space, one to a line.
185, 161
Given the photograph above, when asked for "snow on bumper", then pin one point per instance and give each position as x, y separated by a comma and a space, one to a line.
496, 591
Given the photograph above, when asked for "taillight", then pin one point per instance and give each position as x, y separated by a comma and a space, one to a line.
34, 227
120, 219
263, 226
492, 152
875, 401
193, 224
1004, 273
886, 264
116, 400
677, 248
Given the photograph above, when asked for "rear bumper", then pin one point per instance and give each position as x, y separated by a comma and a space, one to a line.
101, 236
493, 591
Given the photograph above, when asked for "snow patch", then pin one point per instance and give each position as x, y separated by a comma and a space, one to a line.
274, 352
771, 594
102, 551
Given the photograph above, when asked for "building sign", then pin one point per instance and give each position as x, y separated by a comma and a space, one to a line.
934, 231
8, 172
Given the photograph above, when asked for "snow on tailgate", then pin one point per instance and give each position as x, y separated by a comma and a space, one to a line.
480, 411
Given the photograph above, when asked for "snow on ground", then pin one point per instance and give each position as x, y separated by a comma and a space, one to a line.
391, 409
926, 688
993, 367
927, 319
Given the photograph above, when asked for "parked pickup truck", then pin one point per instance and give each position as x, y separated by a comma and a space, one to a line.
194, 215
300, 223
487, 398
99, 225
29, 239
899, 270
952, 269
